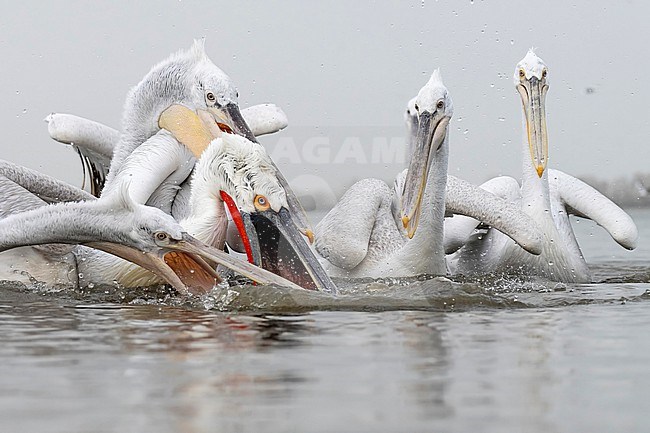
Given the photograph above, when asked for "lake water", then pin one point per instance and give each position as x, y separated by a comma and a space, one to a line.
387, 356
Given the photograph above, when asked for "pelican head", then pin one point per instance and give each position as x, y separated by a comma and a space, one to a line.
243, 175
189, 79
411, 121
152, 239
531, 82
434, 109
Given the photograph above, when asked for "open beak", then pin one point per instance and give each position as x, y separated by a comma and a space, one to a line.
431, 135
272, 241
187, 264
196, 129
245, 229
229, 119
285, 252
533, 98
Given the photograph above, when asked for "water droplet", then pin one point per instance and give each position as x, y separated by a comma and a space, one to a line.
81, 275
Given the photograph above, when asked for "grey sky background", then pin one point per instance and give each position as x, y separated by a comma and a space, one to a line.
346, 69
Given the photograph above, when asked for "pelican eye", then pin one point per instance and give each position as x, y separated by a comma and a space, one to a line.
210, 97
417, 108
522, 73
161, 236
544, 73
261, 203
440, 105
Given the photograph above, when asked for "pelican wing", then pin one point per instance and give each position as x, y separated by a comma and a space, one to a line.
343, 235
584, 201
93, 142
265, 119
45, 187
459, 228
466, 199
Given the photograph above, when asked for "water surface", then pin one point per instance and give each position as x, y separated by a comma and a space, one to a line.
424, 354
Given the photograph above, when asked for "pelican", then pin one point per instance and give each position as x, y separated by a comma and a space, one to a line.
362, 236
137, 233
548, 196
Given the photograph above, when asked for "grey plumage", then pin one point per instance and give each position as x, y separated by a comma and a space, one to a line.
47, 188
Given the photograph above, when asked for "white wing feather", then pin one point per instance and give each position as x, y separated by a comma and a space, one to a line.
466, 199
584, 201
265, 119
343, 235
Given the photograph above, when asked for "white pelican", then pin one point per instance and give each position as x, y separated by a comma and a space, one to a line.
141, 234
548, 196
362, 235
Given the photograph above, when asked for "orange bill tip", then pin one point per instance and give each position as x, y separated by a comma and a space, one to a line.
310, 236
405, 221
